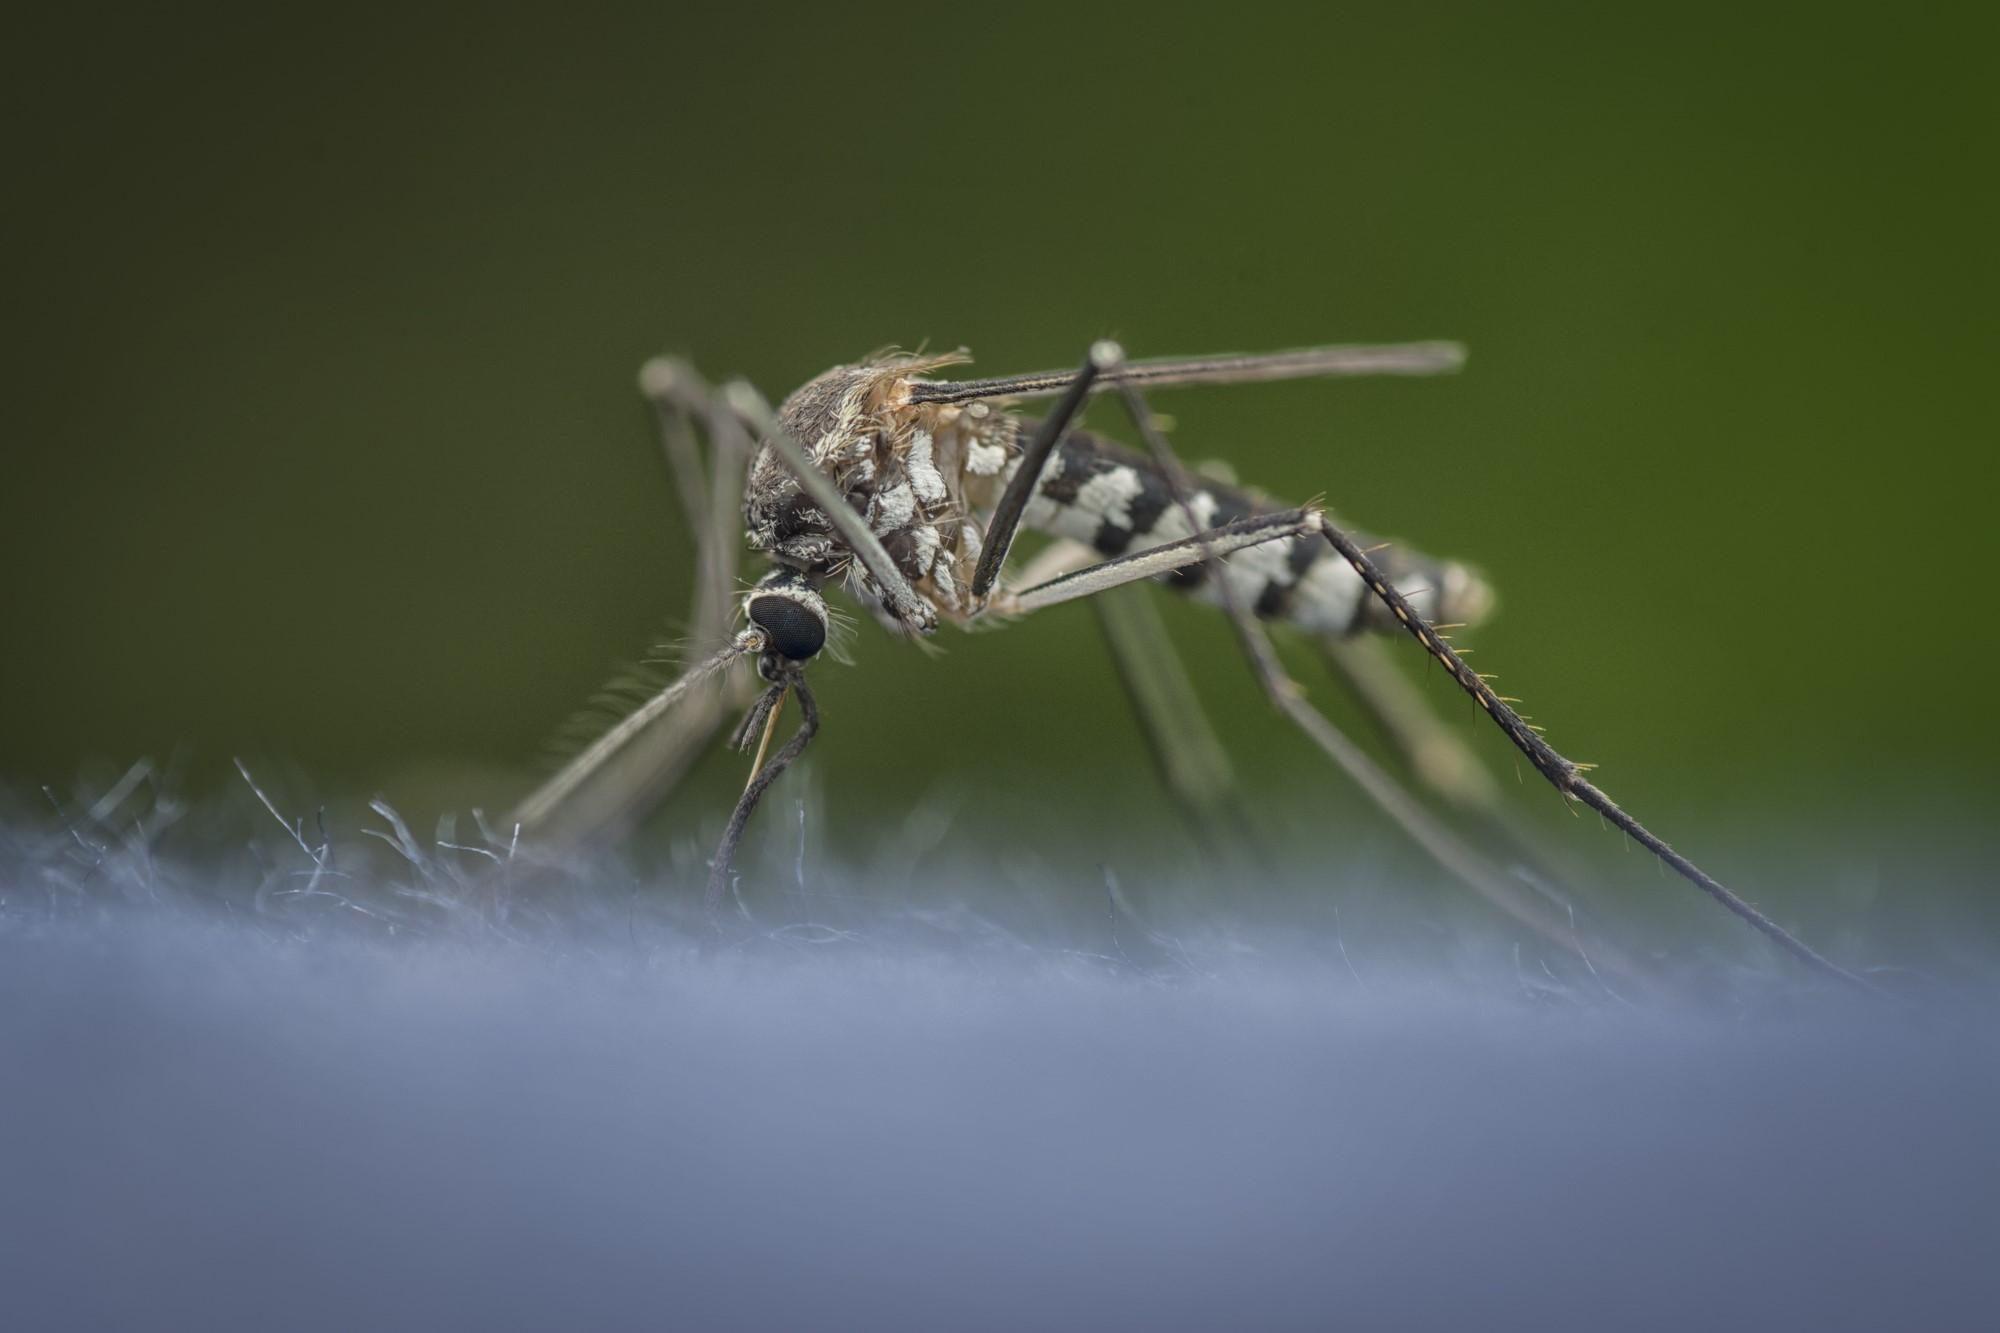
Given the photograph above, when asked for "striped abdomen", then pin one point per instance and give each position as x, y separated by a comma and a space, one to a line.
1117, 501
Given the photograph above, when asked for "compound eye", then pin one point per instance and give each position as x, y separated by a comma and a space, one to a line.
790, 628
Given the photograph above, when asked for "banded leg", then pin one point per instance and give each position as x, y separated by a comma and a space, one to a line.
1446, 847
1440, 758
1097, 497
1565, 775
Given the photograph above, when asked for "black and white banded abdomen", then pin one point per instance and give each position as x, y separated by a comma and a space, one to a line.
1116, 501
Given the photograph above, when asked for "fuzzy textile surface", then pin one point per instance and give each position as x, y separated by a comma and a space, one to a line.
206, 1127
289, 1088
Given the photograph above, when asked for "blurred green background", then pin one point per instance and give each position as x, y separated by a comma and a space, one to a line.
322, 326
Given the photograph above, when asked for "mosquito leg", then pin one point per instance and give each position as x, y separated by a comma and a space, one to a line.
1439, 758
710, 495
614, 746
666, 382
1061, 556
724, 863
657, 759
1425, 829
1190, 757
722, 548
1563, 774
1027, 476
632, 768
1438, 755
1162, 559
1506, 892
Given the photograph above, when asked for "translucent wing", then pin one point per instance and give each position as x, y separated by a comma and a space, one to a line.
1428, 358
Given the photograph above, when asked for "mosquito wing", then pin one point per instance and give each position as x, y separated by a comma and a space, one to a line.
1428, 358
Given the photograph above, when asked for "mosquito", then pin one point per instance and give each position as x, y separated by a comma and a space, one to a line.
907, 492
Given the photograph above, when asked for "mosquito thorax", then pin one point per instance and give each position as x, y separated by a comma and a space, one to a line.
915, 475
836, 418
791, 614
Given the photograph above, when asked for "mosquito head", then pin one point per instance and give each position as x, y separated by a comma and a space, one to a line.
790, 613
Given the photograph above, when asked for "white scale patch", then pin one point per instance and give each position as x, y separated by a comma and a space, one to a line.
947, 588
1327, 596
1172, 524
1252, 568
1042, 512
922, 470
927, 546
1109, 495
894, 509
1105, 498
983, 460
